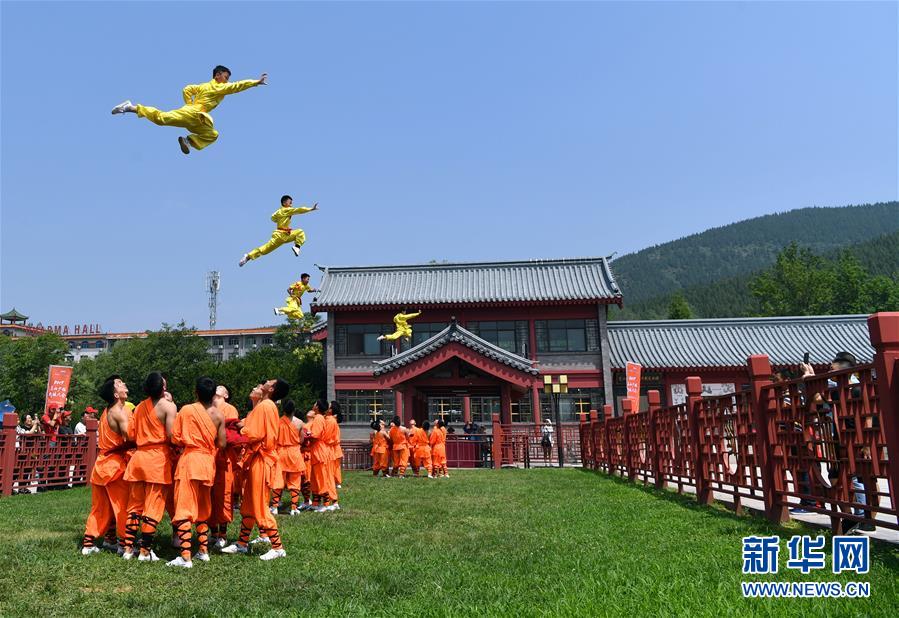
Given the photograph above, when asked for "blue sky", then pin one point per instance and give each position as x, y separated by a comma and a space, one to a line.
456, 131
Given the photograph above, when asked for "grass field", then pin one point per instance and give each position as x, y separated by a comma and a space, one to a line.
509, 542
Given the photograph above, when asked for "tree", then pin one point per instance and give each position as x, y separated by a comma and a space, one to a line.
798, 284
24, 365
679, 308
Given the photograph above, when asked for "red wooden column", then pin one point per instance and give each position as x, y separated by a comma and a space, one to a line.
535, 403
627, 408
694, 400
765, 438
408, 404
397, 405
8, 453
90, 458
497, 442
654, 400
505, 403
607, 413
594, 427
883, 329
466, 408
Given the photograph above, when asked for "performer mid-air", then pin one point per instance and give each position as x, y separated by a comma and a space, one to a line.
199, 100
282, 234
293, 303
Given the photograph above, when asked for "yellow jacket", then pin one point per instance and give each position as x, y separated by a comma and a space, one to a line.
298, 288
282, 216
207, 96
401, 319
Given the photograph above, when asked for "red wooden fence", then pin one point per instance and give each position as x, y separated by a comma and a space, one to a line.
823, 440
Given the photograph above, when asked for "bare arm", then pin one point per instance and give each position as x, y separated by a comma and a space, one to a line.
221, 438
171, 411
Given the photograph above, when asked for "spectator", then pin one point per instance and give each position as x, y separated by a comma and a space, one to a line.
546, 439
29, 425
89, 414
51, 422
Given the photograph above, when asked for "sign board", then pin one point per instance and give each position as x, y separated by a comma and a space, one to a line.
679, 391
57, 387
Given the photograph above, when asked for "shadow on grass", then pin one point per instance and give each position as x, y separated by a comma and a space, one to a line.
887, 553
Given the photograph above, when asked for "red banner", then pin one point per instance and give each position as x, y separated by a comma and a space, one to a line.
632, 372
57, 387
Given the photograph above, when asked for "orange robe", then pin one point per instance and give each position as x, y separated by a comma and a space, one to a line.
260, 471
149, 472
223, 487
379, 453
338, 456
109, 490
332, 439
437, 440
323, 488
290, 461
400, 451
421, 452
196, 432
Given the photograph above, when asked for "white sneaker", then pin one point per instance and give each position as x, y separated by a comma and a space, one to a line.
260, 539
431, 476
335, 507
318, 509
272, 554
201, 557
184, 144
338, 486
128, 555
273, 510
276, 311
295, 511
244, 260
151, 557
220, 543
180, 562
296, 252
122, 107
87, 551
306, 506
234, 548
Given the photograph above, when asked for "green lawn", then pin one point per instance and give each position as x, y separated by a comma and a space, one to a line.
545, 541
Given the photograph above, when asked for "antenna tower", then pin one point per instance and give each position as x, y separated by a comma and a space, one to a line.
213, 285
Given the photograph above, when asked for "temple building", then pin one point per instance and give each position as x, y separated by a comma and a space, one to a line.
489, 333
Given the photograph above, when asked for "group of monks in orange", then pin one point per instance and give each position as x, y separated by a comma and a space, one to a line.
192, 462
427, 450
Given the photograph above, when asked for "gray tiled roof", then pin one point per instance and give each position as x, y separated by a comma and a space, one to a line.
513, 283
728, 342
457, 334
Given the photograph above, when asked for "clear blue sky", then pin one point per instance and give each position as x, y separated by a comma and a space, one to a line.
457, 131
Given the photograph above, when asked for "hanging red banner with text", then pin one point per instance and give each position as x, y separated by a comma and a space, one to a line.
57, 387
632, 372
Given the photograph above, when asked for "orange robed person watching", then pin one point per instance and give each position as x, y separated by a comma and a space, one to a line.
437, 440
321, 435
261, 467
200, 429
379, 448
225, 464
290, 458
150, 469
400, 447
109, 489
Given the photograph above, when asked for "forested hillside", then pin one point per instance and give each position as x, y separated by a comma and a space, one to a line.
748, 246
714, 275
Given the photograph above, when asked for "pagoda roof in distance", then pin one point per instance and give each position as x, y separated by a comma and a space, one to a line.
13, 316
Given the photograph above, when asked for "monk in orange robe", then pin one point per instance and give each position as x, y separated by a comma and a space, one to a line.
421, 452
200, 430
399, 448
109, 490
437, 440
305, 448
150, 469
379, 456
290, 458
332, 439
261, 466
223, 487
321, 435
338, 451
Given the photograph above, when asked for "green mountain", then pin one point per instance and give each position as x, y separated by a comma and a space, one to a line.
712, 269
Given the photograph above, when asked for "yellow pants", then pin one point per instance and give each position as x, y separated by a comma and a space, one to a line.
292, 308
188, 117
400, 332
298, 237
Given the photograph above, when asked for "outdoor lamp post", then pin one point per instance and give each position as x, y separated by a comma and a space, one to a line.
556, 389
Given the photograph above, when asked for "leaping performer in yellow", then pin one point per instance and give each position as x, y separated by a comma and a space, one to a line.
282, 234
293, 303
199, 100
403, 328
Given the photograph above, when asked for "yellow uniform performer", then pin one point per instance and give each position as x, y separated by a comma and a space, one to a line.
403, 329
283, 234
199, 100
293, 304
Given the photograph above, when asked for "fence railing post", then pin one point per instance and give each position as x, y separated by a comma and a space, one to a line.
694, 403
883, 329
594, 427
497, 442
626, 410
581, 432
8, 455
608, 413
766, 438
654, 400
